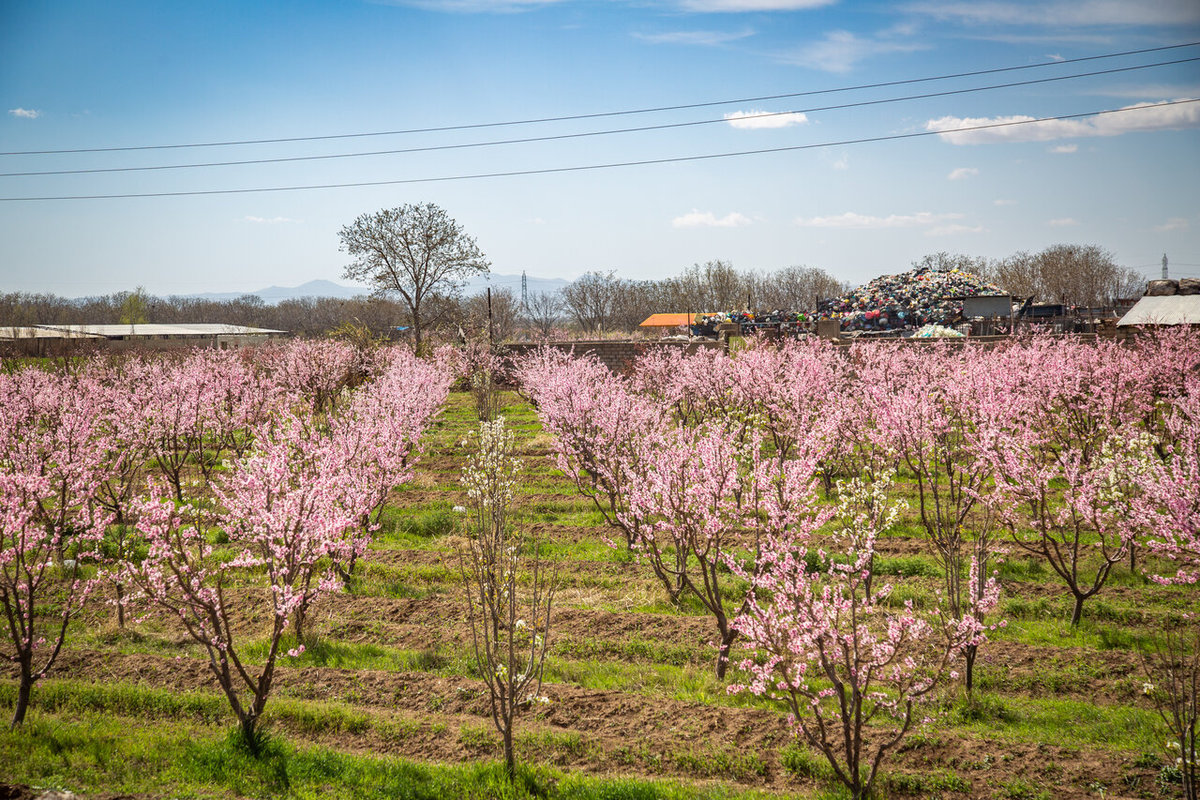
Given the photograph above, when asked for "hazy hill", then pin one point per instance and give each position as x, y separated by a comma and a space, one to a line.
321, 288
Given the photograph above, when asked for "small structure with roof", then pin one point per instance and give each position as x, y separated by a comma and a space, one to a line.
1179, 309
47, 339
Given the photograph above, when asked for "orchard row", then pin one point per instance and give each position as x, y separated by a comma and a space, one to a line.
771, 476
136, 478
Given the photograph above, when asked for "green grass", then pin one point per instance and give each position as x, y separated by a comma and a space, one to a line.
633, 649
80, 698
417, 527
1056, 631
1057, 720
96, 752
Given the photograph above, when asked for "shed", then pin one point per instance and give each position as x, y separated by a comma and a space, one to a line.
1180, 309
34, 341
20, 333
668, 321
170, 336
186, 330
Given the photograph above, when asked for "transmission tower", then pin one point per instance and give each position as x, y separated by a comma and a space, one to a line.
524, 293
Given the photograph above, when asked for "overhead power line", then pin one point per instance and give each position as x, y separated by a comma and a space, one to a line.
586, 134
600, 114
611, 165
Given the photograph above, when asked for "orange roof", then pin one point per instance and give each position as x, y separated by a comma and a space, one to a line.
667, 320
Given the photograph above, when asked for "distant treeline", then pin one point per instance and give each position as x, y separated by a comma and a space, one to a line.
596, 303
307, 316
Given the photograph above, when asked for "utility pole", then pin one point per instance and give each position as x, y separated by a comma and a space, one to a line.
1164, 266
491, 340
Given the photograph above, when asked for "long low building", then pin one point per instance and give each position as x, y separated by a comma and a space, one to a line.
20, 332
48, 339
182, 330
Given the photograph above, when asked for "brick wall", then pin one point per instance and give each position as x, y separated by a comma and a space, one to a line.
616, 355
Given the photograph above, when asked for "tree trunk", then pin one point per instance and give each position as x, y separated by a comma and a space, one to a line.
23, 691
347, 574
972, 651
249, 735
723, 652
510, 762
120, 605
1077, 614
301, 613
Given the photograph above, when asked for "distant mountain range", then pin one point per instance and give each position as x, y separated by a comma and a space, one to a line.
321, 288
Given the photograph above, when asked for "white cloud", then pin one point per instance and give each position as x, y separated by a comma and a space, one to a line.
707, 219
268, 220
1062, 222
758, 120
840, 51
949, 230
1002, 202
1055, 57
843, 162
1063, 13
697, 38
1130, 119
851, 220
1064, 148
25, 113
962, 173
1173, 224
726, 6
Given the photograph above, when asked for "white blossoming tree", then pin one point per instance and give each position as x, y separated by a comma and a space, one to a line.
509, 620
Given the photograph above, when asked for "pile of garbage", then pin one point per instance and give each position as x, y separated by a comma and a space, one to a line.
907, 301
937, 332
751, 322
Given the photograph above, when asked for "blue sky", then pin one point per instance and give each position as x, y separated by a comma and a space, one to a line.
84, 75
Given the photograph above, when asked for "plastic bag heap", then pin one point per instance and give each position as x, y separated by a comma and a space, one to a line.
913, 299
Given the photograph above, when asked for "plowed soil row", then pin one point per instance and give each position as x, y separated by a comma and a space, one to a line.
621, 732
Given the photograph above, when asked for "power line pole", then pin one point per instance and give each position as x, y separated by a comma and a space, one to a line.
524, 293
491, 338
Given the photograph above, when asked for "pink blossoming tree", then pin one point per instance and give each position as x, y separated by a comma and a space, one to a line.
282, 508
51, 465
851, 670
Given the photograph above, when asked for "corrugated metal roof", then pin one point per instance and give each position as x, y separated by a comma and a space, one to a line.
32, 332
667, 320
1179, 309
182, 329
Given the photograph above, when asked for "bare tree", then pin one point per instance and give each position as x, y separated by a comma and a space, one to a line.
500, 321
1018, 275
416, 251
1070, 274
1172, 667
590, 298
633, 301
795, 288
711, 286
543, 311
